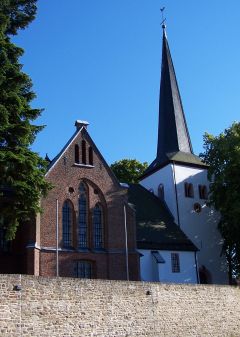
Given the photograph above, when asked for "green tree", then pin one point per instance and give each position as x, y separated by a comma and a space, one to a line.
128, 170
222, 154
22, 171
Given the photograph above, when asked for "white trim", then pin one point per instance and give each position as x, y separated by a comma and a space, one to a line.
83, 165
33, 245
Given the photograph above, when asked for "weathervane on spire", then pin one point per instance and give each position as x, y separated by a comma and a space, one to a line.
163, 19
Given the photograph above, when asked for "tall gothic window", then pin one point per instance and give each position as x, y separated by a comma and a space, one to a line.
83, 217
98, 227
84, 157
76, 154
67, 224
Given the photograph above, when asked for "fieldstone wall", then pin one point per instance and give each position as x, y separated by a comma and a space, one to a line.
54, 307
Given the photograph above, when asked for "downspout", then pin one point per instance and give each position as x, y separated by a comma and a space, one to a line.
176, 196
126, 241
57, 261
197, 269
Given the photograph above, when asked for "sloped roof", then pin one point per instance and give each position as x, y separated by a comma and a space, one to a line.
155, 224
174, 143
182, 158
173, 133
55, 159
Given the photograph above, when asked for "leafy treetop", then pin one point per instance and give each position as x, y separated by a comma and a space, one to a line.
222, 154
22, 171
128, 170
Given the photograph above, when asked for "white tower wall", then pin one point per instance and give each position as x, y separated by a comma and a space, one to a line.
200, 227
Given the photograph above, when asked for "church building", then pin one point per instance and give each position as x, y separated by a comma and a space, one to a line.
86, 218
92, 226
179, 177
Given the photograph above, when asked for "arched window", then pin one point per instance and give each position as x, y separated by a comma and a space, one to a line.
84, 159
90, 155
67, 224
202, 191
76, 154
161, 191
189, 193
83, 217
98, 227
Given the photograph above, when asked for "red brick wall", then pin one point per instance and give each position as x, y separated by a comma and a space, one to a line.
112, 262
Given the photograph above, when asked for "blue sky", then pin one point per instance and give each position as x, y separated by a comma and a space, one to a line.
100, 61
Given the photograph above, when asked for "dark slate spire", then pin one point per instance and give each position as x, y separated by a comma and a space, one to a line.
173, 134
174, 143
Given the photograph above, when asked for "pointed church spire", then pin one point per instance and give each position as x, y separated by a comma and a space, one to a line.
174, 143
173, 133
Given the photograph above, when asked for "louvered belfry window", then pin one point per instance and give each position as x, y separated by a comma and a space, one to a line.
189, 192
202, 191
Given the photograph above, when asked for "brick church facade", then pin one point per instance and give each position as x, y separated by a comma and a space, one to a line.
88, 208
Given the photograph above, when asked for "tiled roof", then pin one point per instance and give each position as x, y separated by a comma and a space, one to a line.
183, 158
155, 224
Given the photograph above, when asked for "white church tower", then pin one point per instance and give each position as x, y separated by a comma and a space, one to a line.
180, 178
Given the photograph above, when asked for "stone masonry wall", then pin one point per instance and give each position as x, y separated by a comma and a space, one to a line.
54, 307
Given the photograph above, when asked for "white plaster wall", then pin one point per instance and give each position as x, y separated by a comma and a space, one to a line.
165, 177
201, 227
149, 266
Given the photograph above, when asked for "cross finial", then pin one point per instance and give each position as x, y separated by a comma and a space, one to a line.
163, 19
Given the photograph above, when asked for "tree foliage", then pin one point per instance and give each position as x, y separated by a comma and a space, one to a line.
22, 171
128, 170
222, 153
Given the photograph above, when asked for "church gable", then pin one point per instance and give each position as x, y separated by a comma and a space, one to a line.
80, 157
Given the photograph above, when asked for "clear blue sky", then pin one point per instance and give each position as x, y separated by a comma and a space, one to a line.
100, 61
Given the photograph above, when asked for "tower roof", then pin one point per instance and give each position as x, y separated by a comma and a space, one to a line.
174, 143
173, 134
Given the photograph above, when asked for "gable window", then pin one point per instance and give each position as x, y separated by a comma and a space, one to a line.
175, 263
84, 159
98, 226
188, 190
83, 269
90, 155
202, 189
67, 224
83, 217
76, 149
161, 191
